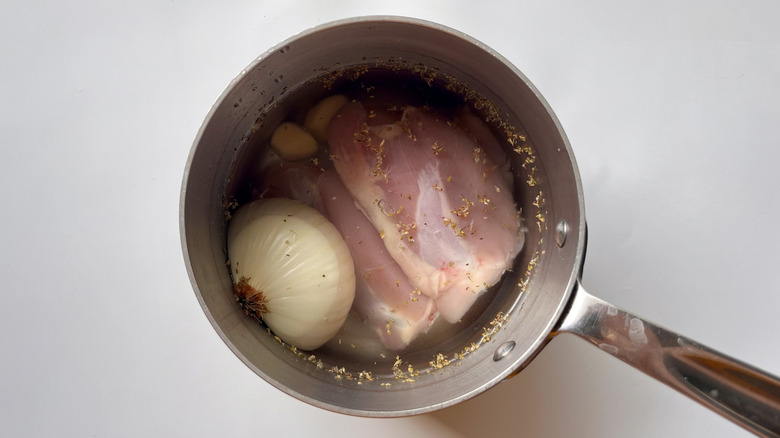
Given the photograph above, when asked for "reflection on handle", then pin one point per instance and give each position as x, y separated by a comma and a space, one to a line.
742, 393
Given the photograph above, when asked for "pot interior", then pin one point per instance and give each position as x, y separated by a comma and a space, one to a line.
505, 328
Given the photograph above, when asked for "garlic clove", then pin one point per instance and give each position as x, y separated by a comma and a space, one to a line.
292, 142
319, 116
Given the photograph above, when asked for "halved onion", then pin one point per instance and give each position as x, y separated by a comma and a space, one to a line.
292, 268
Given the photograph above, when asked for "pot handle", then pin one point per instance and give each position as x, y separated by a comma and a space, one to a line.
742, 393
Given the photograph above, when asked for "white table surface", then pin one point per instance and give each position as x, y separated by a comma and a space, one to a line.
672, 111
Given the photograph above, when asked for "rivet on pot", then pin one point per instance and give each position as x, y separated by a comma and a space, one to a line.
561, 231
503, 350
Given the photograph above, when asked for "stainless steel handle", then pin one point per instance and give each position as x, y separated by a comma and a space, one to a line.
742, 393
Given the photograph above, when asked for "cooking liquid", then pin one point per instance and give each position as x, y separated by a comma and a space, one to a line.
377, 89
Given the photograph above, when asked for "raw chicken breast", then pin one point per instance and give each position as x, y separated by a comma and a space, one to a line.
442, 207
384, 298
395, 309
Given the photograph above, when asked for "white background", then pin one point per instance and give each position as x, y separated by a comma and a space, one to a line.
672, 110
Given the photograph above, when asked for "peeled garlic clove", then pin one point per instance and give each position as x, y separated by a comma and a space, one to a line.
318, 117
292, 268
292, 142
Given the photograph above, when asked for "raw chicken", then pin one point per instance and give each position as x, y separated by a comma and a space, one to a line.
384, 298
443, 208
396, 310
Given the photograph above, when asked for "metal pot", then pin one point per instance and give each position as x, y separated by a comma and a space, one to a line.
541, 298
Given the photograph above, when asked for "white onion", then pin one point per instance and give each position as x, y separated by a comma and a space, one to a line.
292, 268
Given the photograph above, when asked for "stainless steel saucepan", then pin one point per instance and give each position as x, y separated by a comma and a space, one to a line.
539, 299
